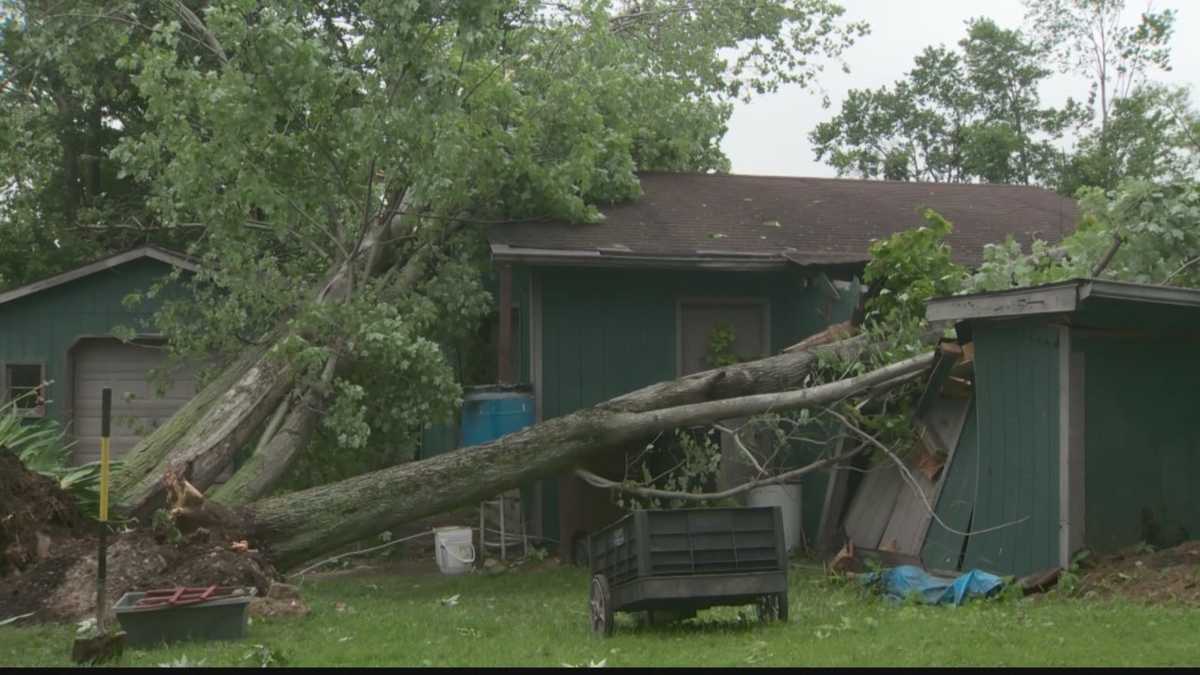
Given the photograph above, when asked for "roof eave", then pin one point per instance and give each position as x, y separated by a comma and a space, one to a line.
153, 252
1057, 298
706, 260
1162, 295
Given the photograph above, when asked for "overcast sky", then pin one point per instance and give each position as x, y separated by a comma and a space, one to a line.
769, 135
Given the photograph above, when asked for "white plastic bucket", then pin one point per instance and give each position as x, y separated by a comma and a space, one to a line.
787, 498
453, 549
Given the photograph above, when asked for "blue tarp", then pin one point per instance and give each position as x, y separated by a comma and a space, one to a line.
901, 582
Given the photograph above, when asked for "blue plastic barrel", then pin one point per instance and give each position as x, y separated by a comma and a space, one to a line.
490, 412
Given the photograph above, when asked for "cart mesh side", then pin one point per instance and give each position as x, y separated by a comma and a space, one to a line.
689, 541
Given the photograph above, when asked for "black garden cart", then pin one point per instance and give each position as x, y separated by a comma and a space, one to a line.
684, 560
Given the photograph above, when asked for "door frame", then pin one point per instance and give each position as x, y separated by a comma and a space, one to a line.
763, 304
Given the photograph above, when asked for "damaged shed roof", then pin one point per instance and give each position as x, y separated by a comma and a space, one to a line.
1057, 298
717, 219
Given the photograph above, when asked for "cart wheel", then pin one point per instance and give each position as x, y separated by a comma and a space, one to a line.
601, 606
773, 606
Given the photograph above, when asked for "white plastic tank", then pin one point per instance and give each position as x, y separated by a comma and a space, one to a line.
454, 549
787, 498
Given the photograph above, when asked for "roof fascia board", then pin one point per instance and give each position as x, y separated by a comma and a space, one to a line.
98, 266
504, 253
1052, 299
702, 260
1163, 295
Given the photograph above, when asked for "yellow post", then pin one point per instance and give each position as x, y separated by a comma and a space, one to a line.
104, 479
102, 559
105, 432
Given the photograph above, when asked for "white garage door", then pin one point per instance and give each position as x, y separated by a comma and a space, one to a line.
137, 409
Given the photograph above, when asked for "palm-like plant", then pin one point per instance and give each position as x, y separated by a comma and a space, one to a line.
43, 446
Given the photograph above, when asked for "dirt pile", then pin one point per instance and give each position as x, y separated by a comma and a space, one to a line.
34, 515
1171, 575
50, 550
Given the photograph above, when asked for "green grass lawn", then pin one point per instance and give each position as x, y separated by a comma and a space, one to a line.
540, 619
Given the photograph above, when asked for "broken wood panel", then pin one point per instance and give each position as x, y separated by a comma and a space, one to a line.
1058, 298
872, 506
943, 548
944, 420
833, 507
942, 366
909, 516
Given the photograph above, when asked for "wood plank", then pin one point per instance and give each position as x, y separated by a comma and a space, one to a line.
872, 506
944, 421
833, 509
1054, 299
504, 352
1077, 453
906, 527
99, 266
955, 502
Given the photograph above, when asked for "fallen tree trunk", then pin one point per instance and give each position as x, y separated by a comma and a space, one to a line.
770, 374
200, 440
299, 526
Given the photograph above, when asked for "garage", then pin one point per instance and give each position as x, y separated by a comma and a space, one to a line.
138, 406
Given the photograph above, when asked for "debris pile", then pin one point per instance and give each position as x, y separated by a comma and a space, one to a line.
34, 515
1170, 575
48, 554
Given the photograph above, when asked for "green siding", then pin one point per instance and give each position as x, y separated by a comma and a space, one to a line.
42, 327
956, 500
1141, 441
607, 332
1016, 375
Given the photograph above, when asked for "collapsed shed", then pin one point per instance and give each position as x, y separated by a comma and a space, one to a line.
1078, 433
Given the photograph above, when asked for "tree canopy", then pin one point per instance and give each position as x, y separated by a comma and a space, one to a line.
975, 114
966, 115
332, 165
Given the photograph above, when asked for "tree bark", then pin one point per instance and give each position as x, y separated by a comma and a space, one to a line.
279, 449
299, 526
200, 440
774, 373
271, 462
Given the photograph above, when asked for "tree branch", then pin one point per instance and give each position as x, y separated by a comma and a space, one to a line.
194, 22
912, 482
1108, 255
1182, 267
654, 493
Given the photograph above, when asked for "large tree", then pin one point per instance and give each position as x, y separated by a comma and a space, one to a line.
1093, 38
333, 164
1152, 134
969, 115
64, 105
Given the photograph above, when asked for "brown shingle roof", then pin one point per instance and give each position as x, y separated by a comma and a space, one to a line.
808, 220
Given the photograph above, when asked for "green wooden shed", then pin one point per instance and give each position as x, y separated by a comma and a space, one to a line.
1081, 433
57, 345
590, 311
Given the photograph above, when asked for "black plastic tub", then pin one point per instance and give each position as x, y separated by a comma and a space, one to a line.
221, 619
